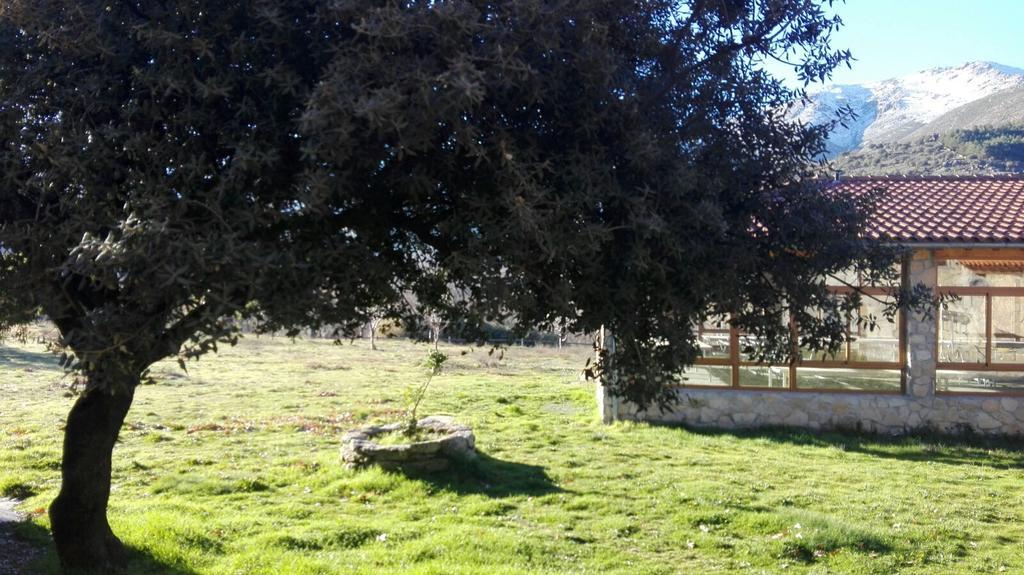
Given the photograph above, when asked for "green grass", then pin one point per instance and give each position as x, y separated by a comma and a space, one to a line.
235, 469
402, 436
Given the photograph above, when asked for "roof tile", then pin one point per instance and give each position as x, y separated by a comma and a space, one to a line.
978, 209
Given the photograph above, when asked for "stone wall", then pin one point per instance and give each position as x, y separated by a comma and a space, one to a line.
889, 414
918, 409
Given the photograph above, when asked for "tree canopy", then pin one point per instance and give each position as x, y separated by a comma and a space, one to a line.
168, 167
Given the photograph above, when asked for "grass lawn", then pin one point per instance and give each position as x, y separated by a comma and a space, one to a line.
235, 468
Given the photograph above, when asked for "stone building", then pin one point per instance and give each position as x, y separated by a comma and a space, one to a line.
961, 369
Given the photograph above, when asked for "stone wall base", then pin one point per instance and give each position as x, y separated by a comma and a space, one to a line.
874, 413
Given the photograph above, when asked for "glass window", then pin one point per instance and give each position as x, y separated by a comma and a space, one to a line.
868, 360
962, 330
708, 375
838, 356
1004, 276
984, 331
896, 273
979, 381
878, 343
1007, 329
755, 348
714, 340
955, 273
851, 278
981, 273
845, 278
848, 379
764, 376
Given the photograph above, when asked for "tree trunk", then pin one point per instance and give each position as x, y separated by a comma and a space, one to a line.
373, 336
79, 513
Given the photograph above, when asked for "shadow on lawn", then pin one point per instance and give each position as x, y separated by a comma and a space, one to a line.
139, 561
10, 356
486, 475
997, 453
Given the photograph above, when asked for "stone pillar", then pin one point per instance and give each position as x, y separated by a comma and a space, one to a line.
921, 330
607, 404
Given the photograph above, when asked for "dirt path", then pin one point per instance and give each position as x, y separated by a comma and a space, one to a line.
14, 553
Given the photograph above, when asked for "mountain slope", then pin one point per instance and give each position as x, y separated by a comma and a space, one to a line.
974, 151
911, 101
892, 110
1005, 107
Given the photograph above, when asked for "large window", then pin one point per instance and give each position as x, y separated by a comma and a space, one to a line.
870, 361
981, 333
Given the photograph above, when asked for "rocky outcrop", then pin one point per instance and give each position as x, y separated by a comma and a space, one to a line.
453, 441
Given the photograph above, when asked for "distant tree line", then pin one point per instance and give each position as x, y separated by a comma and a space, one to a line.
1004, 143
984, 150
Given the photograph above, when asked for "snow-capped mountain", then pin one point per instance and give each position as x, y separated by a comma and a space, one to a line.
892, 109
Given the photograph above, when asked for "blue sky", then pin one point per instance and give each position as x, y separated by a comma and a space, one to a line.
894, 37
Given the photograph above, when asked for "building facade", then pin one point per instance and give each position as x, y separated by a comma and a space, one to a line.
956, 370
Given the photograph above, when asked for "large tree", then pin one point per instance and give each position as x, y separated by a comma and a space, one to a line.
170, 167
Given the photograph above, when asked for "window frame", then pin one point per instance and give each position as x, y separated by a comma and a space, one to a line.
988, 365
943, 256
735, 361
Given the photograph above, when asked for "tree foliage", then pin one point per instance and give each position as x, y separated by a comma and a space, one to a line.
1001, 143
169, 167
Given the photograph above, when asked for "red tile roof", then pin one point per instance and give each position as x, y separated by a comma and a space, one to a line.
944, 209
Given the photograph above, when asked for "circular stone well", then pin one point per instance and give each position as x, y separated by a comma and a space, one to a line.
454, 441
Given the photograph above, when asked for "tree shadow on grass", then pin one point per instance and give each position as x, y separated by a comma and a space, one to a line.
139, 561
486, 475
20, 358
993, 452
